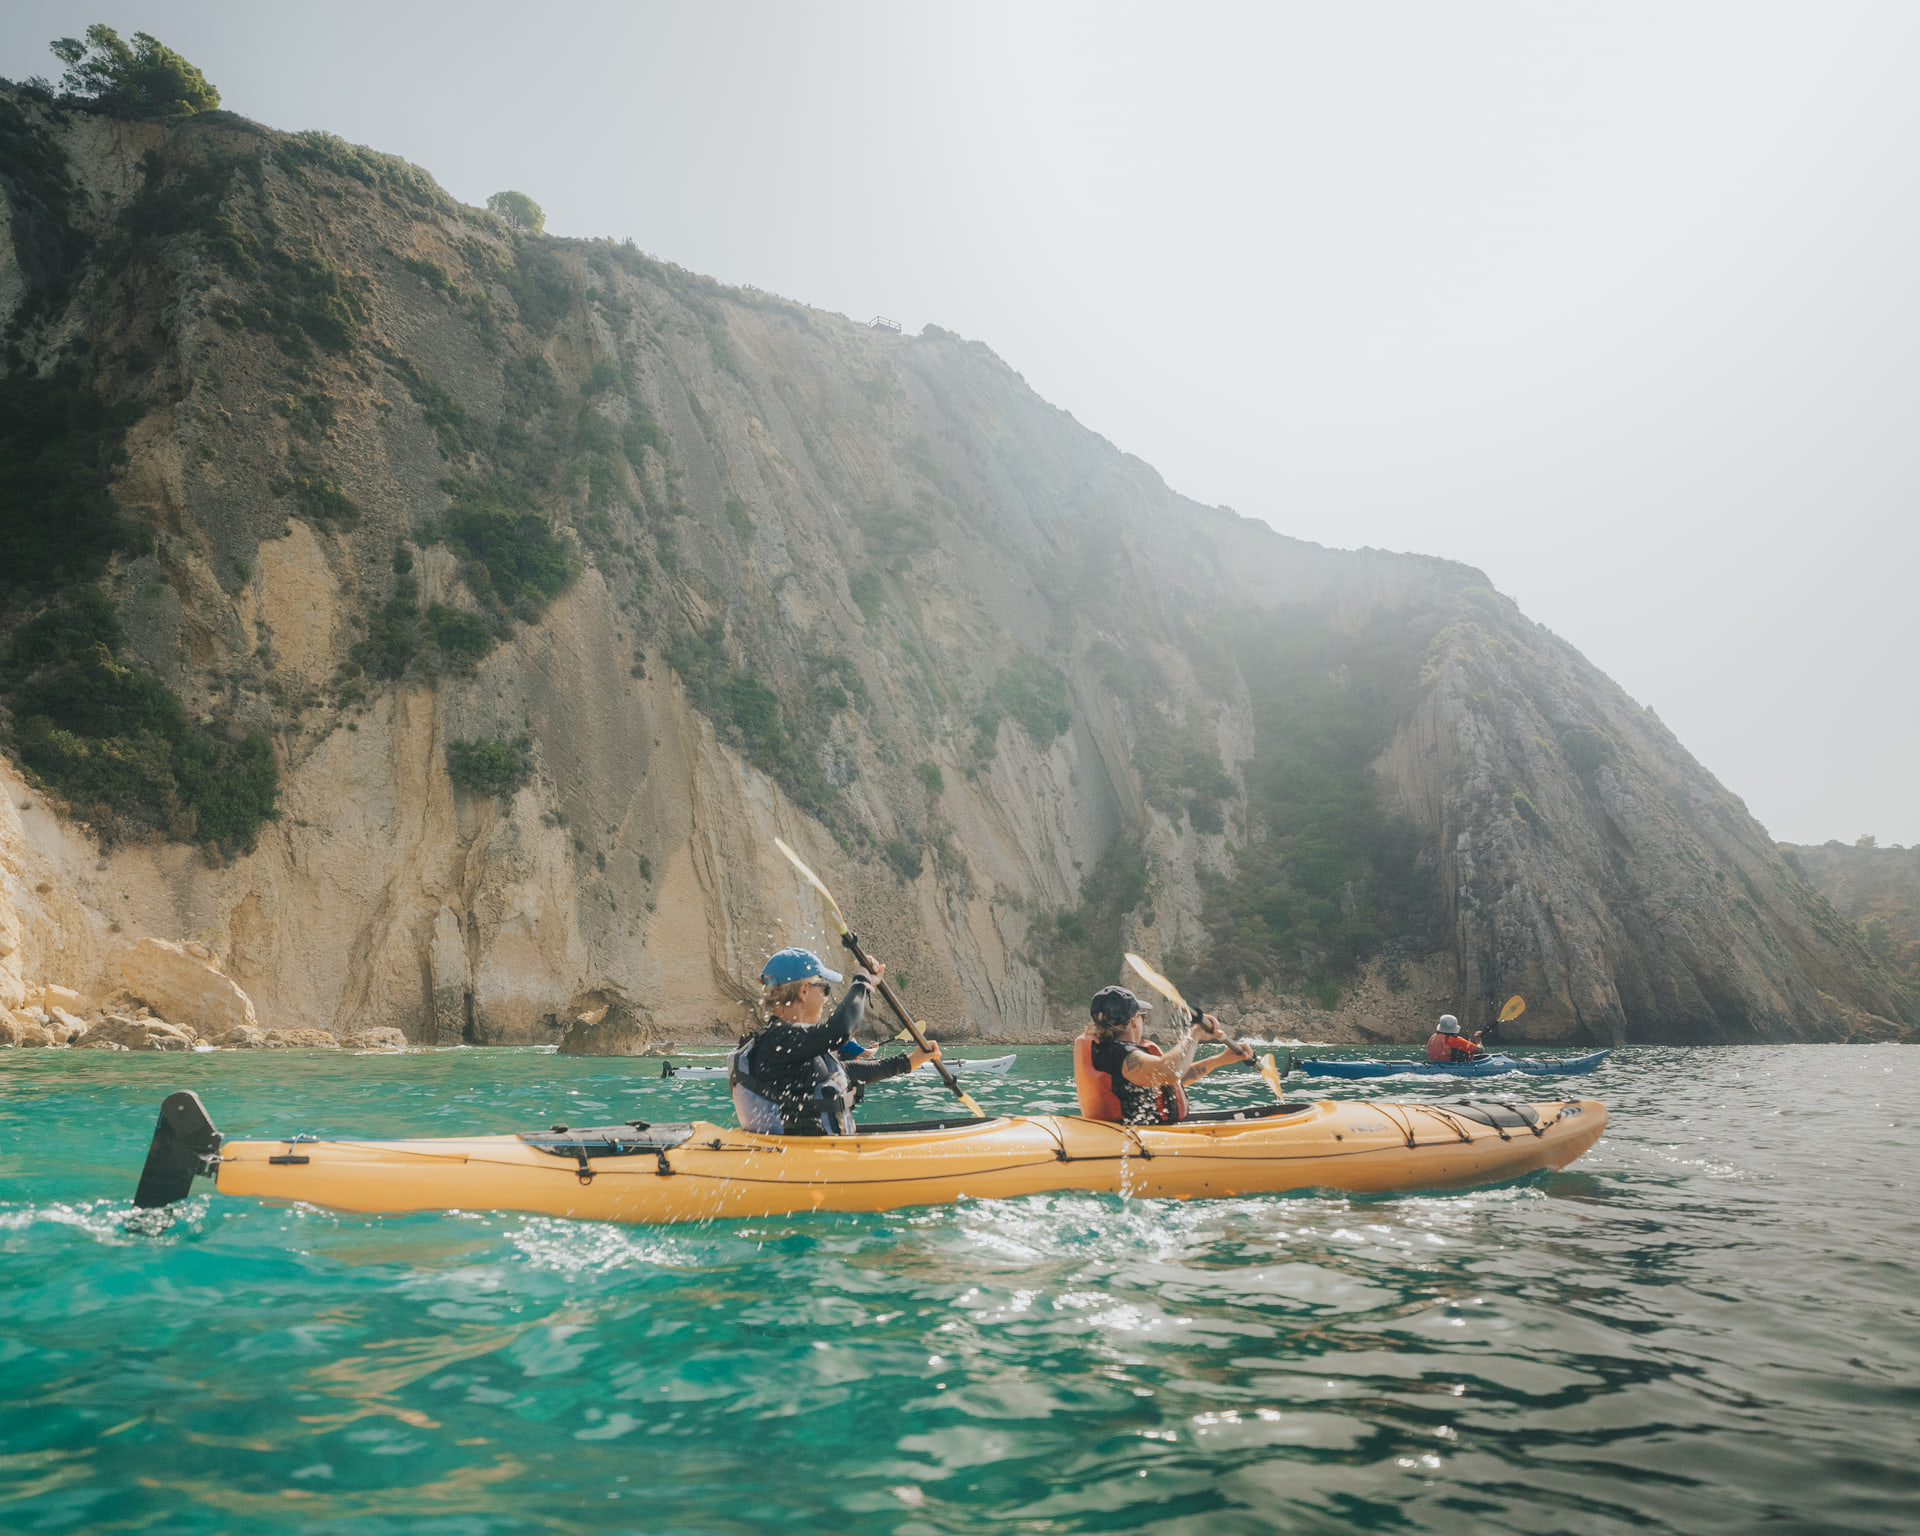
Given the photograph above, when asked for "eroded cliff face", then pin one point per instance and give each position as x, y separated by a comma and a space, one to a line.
1877, 892
861, 591
1592, 865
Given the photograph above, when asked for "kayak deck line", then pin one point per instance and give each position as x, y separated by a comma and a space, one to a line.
694, 1171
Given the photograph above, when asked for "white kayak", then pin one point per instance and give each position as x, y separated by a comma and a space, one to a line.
1000, 1065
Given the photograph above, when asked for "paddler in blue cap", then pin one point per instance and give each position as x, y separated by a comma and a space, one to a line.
788, 1077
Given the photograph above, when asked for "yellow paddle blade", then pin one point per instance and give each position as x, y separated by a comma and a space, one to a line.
1516, 1005
818, 884
972, 1108
1158, 982
1270, 1070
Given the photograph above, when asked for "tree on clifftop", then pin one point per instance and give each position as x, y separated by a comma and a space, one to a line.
147, 79
519, 210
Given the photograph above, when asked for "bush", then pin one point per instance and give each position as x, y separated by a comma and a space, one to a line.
740, 518
930, 775
1031, 693
513, 555
384, 173
188, 201
59, 443
112, 737
440, 410
519, 211
462, 638
490, 767
299, 301
1181, 772
837, 682
49, 248
147, 79
1077, 950
1330, 876
324, 501
387, 650
641, 433
865, 590
748, 714
905, 858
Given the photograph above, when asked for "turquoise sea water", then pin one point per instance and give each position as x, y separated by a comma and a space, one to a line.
1707, 1324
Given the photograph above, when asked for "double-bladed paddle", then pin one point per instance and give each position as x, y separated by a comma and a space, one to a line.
885, 987
1171, 993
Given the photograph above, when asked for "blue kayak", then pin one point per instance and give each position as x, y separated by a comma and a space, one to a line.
1487, 1066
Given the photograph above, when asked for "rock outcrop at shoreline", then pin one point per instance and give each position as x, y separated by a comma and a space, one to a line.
540, 585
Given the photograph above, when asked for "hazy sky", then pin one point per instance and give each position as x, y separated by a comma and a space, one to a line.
1620, 303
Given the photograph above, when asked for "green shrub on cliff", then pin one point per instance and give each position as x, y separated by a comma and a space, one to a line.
1329, 877
462, 638
59, 445
514, 558
114, 741
488, 767
519, 211
1030, 692
144, 79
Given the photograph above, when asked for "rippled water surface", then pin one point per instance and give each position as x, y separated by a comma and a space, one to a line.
1707, 1324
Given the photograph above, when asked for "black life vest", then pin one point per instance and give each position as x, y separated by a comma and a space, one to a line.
825, 1110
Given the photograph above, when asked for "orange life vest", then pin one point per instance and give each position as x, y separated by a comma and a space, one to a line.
1449, 1048
1100, 1101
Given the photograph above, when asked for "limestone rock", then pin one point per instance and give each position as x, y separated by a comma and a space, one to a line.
50, 997
185, 985
621, 1030
374, 1040
301, 1040
141, 1034
449, 982
73, 1028
243, 1037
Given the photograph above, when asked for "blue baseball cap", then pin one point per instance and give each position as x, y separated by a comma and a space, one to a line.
795, 965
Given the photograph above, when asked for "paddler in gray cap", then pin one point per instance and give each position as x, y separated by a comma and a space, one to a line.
1120, 1075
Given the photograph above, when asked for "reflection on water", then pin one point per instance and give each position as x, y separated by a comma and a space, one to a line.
1707, 1324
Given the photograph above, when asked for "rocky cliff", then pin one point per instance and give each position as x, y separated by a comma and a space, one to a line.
439, 623
1877, 890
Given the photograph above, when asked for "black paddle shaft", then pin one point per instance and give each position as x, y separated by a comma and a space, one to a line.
1198, 1013
900, 1009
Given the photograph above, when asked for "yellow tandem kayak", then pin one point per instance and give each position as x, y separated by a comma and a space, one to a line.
698, 1171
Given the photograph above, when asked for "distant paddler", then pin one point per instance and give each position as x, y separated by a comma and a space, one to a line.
1446, 1044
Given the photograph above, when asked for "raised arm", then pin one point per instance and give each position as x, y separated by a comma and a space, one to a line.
1207, 1027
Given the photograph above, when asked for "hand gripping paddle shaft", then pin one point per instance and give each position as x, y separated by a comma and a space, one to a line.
1171, 993
885, 987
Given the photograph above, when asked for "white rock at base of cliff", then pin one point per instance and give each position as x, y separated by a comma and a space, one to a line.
74, 1027
301, 1040
141, 1034
374, 1040
181, 981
